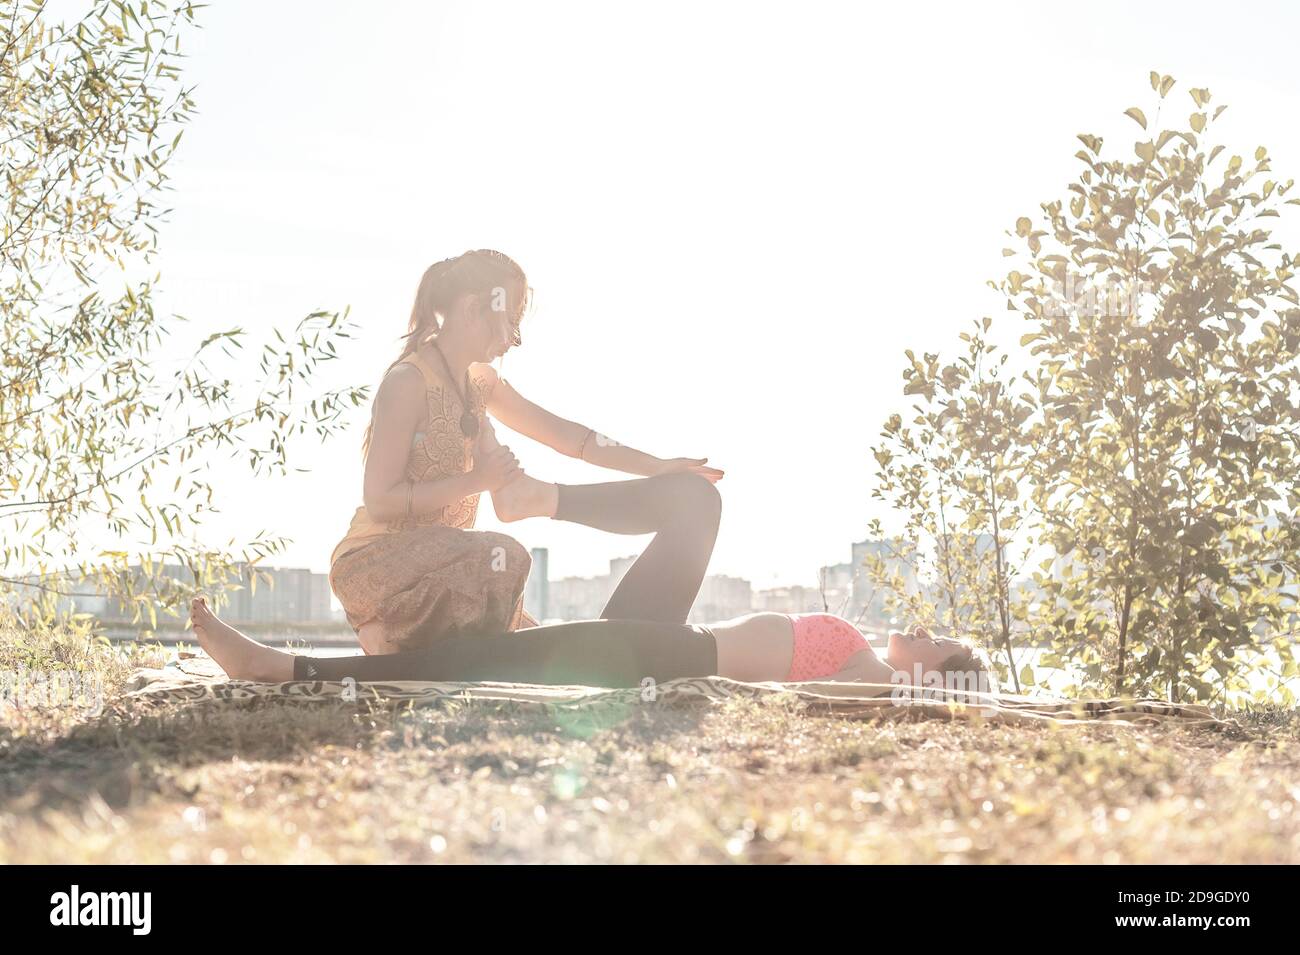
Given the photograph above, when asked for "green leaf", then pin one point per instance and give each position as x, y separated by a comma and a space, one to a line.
1092, 142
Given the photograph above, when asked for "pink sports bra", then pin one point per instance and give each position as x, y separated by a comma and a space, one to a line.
823, 643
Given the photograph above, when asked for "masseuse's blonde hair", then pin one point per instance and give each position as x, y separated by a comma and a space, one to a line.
442, 283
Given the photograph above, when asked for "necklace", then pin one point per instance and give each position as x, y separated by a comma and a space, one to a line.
468, 419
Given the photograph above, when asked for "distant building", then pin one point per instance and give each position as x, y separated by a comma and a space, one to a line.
836, 589
537, 590
583, 598
618, 568
578, 598
291, 595
721, 598
284, 594
845, 589
795, 599
898, 557
77, 595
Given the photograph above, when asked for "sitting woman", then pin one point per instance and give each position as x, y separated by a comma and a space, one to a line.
757, 647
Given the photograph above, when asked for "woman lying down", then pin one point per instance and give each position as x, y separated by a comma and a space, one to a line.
757, 647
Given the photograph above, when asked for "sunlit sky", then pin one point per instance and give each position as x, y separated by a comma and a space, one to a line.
736, 216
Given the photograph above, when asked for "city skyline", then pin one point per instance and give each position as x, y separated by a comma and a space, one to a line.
301, 595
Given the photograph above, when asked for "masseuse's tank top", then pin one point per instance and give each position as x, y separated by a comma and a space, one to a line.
438, 449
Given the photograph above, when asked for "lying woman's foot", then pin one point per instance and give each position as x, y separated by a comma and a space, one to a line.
524, 497
240, 657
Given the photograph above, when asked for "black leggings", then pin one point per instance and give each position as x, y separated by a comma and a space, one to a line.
614, 653
682, 510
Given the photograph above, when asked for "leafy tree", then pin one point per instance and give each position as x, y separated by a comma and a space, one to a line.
93, 111
1166, 450
954, 474
1156, 448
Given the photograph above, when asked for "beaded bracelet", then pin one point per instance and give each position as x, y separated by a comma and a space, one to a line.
582, 447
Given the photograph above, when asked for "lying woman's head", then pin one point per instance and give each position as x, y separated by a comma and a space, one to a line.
927, 660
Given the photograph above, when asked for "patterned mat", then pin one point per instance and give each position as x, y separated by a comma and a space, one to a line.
196, 680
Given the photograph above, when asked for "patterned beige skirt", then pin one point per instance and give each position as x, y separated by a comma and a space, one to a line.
431, 582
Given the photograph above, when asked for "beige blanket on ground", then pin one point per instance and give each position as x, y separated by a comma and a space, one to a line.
197, 680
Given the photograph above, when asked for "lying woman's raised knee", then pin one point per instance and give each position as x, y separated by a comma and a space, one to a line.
696, 495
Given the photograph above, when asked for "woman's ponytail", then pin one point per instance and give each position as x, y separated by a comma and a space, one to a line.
439, 288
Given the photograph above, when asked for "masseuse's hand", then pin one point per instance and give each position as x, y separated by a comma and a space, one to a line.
496, 468
693, 465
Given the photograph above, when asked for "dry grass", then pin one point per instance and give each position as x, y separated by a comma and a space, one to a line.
748, 781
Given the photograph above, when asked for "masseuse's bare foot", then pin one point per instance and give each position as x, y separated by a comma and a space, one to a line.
240, 657
525, 497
